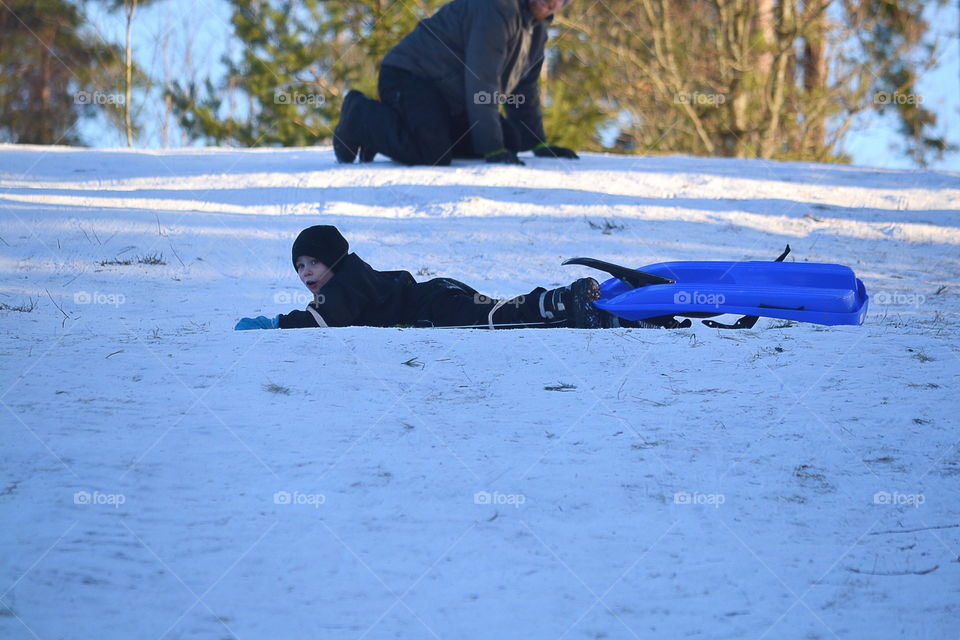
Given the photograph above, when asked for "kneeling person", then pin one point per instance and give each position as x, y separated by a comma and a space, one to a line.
441, 88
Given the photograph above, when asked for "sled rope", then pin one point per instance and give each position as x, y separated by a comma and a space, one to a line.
493, 311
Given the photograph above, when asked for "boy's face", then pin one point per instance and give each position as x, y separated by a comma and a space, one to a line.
313, 273
543, 9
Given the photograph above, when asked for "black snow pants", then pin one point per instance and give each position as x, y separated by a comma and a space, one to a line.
450, 303
412, 123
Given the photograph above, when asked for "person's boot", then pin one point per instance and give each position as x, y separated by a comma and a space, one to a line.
345, 146
573, 304
583, 293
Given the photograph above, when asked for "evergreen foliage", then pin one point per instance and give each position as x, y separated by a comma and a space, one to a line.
299, 60
53, 71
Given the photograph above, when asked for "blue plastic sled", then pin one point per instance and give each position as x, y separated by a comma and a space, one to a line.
828, 294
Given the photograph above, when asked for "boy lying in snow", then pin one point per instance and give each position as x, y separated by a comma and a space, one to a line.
349, 292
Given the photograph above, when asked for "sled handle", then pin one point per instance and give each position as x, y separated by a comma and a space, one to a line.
631, 276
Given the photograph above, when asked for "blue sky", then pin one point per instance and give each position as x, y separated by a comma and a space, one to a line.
202, 27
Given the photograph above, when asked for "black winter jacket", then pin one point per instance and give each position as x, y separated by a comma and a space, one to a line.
474, 51
359, 295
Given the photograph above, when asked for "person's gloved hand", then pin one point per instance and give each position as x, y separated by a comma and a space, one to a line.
260, 322
503, 156
544, 150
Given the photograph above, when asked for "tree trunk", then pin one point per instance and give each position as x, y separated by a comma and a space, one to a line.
780, 79
131, 6
766, 36
815, 75
43, 131
167, 100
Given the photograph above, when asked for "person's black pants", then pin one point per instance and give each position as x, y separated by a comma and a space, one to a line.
445, 302
412, 123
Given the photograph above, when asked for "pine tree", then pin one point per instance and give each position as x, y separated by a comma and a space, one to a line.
299, 60
53, 71
899, 50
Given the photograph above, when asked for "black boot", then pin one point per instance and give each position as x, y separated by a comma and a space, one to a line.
583, 292
574, 304
345, 145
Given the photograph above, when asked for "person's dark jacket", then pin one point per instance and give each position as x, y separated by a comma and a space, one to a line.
474, 51
359, 295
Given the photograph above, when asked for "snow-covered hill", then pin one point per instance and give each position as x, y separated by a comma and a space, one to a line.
162, 476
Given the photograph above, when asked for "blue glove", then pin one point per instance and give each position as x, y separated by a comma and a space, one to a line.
260, 322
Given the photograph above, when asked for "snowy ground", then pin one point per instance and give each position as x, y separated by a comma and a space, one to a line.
162, 476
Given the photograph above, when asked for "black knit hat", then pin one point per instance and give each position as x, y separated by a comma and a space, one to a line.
323, 242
